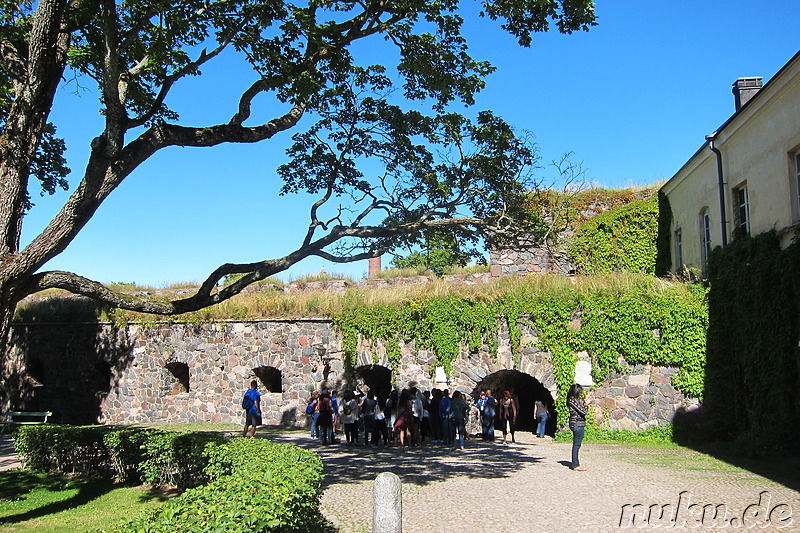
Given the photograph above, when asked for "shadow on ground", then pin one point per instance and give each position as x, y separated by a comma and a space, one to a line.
697, 430
16, 484
420, 466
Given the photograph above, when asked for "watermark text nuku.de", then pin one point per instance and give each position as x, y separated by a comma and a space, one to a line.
683, 513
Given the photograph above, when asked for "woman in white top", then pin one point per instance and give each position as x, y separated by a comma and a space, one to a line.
348, 414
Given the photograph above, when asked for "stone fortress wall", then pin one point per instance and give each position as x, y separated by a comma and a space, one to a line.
186, 373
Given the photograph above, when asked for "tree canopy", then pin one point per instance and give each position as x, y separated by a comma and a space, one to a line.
383, 171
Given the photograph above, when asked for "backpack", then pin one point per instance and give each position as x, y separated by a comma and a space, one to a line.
247, 402
347, 409
310, 407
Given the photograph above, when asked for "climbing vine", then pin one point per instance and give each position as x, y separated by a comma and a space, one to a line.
754, 311
643, 321
621, 239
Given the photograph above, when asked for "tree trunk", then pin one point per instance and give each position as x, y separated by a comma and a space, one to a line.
12, 392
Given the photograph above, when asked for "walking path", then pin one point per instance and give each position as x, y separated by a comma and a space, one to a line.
528, 486
8, 459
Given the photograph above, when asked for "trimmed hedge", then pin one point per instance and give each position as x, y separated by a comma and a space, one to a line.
236, 484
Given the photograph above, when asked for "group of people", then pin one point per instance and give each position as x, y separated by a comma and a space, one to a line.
410, 416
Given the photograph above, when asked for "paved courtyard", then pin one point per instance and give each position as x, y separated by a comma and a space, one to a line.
528, 486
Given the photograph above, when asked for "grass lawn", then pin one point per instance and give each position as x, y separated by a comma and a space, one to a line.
50, 504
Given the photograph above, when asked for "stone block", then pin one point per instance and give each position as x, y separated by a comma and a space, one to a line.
627, 423
639, 380
607, 403
633, 392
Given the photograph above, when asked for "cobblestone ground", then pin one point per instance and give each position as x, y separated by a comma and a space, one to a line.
528, 486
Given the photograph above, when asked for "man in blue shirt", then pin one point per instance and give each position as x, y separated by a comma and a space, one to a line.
251, 403
448, 429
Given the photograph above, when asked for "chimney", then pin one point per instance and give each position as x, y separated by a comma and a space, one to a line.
746, 88
374, 265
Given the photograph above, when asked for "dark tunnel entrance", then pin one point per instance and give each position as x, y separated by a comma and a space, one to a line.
376, 377
527, 390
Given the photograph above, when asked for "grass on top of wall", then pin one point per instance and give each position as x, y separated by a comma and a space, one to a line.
275, 303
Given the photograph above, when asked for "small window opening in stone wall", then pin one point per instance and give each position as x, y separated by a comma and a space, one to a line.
101, 378
35, 369
270, 377
180, 371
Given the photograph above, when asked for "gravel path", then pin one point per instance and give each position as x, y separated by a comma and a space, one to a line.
528, 486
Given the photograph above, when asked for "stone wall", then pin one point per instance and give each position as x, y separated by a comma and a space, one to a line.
640, 398
529, 260
87, 373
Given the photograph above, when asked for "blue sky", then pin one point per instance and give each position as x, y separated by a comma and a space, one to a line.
632, 99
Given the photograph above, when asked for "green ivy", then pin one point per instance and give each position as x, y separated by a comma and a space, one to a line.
663, 247
754, 309
621, 239
647, 321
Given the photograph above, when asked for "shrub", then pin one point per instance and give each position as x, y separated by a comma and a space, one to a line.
256, 485
240, 484
64, 449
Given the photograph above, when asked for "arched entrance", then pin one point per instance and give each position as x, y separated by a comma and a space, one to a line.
376, 377
270, 377
527, 389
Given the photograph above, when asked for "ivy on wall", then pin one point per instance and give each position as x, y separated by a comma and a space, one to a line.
754, 321
642, 320
621, 239
663, 249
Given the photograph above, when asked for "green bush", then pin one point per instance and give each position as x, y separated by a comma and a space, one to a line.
256, 485
176, 458
64, 449
240, 484
661, 434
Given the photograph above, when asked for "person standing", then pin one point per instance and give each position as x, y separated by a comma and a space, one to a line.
435, 419
251, 403
577, 422
542, 416
325, 420
335, 424
487, 415
507, 415
448, 431
349, 417
459, 409
417, 407
312, 409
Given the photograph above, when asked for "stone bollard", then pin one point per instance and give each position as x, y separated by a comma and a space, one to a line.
387, 516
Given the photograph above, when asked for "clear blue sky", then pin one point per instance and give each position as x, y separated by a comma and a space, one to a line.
633, 99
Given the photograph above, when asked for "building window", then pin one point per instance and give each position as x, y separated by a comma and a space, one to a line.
705, 235
678, 250
741, 213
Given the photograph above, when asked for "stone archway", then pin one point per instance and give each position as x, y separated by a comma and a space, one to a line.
527, 389
377, 378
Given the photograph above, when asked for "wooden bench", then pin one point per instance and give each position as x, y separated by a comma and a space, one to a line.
21, 418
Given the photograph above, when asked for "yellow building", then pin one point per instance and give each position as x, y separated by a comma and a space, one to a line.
746, 177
